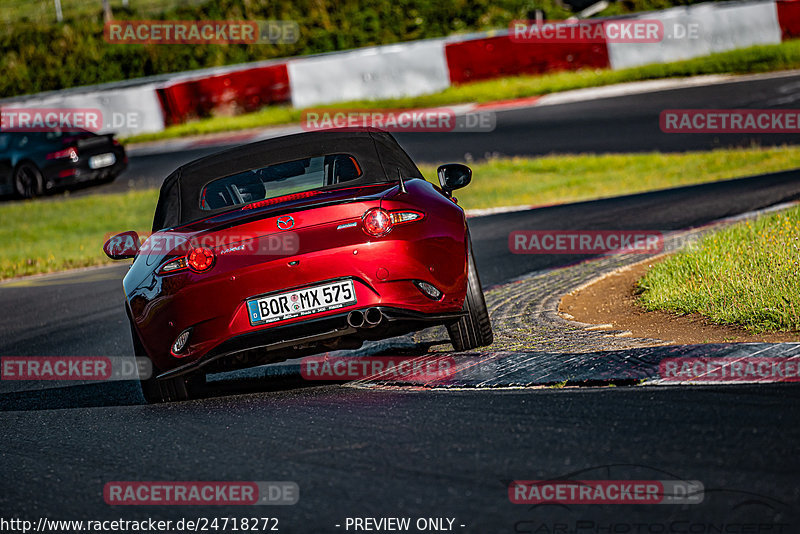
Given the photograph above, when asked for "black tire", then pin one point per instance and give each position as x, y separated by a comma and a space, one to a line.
475, 329
28, 181
179, 388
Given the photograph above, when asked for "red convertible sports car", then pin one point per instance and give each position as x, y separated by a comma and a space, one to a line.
294, 246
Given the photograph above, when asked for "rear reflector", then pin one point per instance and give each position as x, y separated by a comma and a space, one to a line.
429, 290
180, 341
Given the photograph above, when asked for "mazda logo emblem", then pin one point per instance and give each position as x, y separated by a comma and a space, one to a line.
285, 222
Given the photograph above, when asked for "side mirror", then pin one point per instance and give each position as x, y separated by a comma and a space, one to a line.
122, 246
454, 176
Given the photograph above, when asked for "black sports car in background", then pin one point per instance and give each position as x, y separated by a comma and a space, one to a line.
32, 163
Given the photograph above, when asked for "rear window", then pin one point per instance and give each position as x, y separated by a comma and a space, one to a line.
278, 180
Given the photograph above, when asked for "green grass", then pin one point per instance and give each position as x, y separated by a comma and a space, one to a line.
57, 234
557, 179
756, 59
61, 233
747, 275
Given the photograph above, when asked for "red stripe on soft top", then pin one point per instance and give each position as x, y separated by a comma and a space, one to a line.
278, 200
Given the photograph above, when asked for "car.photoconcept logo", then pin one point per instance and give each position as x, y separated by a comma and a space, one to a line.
286, 222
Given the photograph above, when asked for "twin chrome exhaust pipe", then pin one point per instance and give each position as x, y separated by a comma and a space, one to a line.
365, 319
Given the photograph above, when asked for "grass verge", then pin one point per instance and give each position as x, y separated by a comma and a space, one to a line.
755, 59
747, 275
558, 179
56, 234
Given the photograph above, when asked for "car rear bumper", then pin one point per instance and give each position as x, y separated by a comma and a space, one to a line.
65, 173
215, 307
294, 340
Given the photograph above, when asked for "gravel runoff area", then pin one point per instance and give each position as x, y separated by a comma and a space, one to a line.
525, 312
537, 346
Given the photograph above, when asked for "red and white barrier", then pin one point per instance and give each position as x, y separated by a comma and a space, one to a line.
391, 71
127, 111
230, 91
701, 30
498, 56
789, 18
420, 67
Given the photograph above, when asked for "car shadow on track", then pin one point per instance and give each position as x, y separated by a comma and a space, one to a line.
128, 393
119, 393
474, 370
262, 379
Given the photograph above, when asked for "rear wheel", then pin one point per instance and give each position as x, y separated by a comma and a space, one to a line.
475, 329
179, 388
28, 180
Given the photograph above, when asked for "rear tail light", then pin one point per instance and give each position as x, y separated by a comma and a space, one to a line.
198, 260
71, 153
174, 265
400, 217
379, 222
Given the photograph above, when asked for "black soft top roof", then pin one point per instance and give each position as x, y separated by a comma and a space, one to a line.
378, 153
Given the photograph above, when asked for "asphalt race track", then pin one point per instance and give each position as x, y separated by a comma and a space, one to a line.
565, 128
405, 452
80, 314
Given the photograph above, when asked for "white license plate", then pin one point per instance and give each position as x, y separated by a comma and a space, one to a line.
301, 302
102, 160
